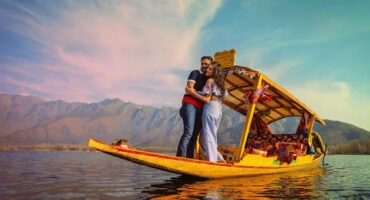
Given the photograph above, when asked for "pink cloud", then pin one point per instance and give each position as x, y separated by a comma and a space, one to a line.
122, 49
122, 53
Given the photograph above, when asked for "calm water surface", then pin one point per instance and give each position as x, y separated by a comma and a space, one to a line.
94, 175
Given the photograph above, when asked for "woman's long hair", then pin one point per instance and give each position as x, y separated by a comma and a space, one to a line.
219, 77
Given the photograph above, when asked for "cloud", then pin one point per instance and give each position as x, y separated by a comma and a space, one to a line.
325, 93
334, 100
90, 51
314, 66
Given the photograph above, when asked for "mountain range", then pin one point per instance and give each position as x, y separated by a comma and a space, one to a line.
30, 120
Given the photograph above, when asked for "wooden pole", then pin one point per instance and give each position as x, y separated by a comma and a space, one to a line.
248, 122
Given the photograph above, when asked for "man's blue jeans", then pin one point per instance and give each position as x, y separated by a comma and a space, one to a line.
192, 118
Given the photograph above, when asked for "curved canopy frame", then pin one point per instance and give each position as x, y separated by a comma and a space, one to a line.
241, 82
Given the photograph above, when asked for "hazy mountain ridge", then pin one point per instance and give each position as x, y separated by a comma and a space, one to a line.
28, 120
336, 132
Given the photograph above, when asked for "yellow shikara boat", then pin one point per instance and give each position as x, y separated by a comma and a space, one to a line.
263, 102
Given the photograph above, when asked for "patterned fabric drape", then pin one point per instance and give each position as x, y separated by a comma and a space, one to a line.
304, 123
261, 138
259, 127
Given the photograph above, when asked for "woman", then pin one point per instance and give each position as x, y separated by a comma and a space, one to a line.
211, 95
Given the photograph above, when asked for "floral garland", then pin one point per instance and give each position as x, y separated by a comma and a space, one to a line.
253, 95
240, 71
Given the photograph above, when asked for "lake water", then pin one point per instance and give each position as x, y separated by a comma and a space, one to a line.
94, 175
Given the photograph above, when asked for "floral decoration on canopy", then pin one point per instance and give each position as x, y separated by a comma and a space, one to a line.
253, 95
240, 71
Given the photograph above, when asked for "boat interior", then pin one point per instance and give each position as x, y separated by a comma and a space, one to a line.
261, 141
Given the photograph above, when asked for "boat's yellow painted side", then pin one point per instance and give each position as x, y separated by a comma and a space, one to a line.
257, 160
250, 164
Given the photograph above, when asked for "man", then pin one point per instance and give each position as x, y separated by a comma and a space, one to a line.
191, 111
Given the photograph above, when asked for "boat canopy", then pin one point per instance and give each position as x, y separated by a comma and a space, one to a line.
252, 94
272, 102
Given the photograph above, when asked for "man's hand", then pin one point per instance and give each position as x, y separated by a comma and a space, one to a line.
189, 90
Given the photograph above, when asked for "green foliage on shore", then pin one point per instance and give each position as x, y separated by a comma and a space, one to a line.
351, 147
49, 147
71, 147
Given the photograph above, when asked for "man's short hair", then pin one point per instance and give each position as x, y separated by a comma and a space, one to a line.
207, 57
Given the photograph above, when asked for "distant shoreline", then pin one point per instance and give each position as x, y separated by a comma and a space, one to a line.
71, 147
48, 147
80, 147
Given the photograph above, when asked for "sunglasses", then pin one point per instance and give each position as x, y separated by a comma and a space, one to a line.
206, 64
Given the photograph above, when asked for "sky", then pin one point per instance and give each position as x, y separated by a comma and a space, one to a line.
142, 51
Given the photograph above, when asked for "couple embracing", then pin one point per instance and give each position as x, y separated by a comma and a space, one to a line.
201, 110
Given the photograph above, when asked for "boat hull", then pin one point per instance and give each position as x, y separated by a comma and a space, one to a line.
201, 168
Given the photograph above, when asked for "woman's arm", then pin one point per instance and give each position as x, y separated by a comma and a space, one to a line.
205, 98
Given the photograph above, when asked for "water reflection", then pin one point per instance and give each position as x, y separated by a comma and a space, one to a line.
91, 175
285, 185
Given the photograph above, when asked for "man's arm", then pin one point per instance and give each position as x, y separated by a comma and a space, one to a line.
191, 81
190, 84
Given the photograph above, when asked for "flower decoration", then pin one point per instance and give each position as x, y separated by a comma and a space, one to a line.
252, 96
240, 71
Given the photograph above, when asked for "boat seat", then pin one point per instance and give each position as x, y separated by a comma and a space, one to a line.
268, 144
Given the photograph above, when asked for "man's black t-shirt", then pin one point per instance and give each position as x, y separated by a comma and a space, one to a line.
199, 78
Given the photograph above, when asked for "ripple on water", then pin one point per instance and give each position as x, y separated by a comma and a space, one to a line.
93, 175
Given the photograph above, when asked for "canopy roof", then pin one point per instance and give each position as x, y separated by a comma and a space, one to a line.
241, 80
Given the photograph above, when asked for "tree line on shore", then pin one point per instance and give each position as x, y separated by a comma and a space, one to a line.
352, 147
49, 147
73, 147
